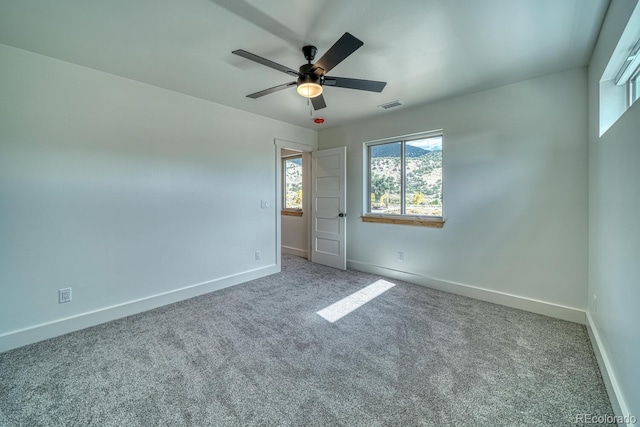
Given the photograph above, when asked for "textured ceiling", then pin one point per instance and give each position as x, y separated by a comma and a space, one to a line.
426, 49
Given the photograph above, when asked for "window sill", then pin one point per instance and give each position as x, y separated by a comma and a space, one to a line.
291, 213
435, 222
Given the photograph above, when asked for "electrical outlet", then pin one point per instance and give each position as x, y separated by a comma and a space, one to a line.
594, 304
401, 256
264, 204
64, 295
257, 255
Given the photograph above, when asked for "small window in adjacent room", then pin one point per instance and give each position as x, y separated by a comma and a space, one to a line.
404, 180
292, 185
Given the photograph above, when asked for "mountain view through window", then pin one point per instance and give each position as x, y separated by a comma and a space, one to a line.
408, 183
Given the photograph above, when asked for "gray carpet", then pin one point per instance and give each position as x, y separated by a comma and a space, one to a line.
258, 354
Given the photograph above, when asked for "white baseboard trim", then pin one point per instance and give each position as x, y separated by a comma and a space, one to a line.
295, 251
616, 397
528, 304
32, 334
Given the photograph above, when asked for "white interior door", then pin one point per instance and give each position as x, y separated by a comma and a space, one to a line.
328, 207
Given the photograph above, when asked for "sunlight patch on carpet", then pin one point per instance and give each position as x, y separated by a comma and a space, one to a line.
338, 310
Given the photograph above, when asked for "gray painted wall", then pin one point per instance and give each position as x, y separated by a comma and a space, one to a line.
614, 226
515, 192
126, 192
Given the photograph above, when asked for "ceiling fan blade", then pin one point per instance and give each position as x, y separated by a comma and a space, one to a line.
345, 46
318, 102
271, 90
260, 60
369, 85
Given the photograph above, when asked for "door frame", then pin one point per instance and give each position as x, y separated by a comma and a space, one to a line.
306, 208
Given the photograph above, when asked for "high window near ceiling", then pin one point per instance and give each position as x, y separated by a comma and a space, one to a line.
634, 86
620, 81
404, 180
628, 73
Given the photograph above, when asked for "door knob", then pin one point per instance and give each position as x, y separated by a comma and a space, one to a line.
341, 215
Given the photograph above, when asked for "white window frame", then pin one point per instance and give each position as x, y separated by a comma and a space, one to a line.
615, 85
408, 219
628, 73
633, 87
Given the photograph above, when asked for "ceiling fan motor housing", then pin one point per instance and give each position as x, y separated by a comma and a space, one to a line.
307, 73
308, 77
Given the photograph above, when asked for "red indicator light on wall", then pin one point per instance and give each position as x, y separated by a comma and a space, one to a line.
319, 120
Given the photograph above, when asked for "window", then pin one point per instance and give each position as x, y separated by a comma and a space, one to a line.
404, 180
628, 73
619, 81
292, 185
634, 86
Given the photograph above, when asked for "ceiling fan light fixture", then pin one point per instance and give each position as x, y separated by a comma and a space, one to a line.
309, 86
310, 90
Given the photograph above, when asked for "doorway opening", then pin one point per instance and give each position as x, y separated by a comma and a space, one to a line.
323, 204
294, 201
293, 226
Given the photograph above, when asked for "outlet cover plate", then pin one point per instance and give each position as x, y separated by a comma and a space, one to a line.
64, 295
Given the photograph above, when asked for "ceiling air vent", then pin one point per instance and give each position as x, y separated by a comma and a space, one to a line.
390, 105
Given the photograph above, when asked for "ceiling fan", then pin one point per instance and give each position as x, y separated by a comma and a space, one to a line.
312, 77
